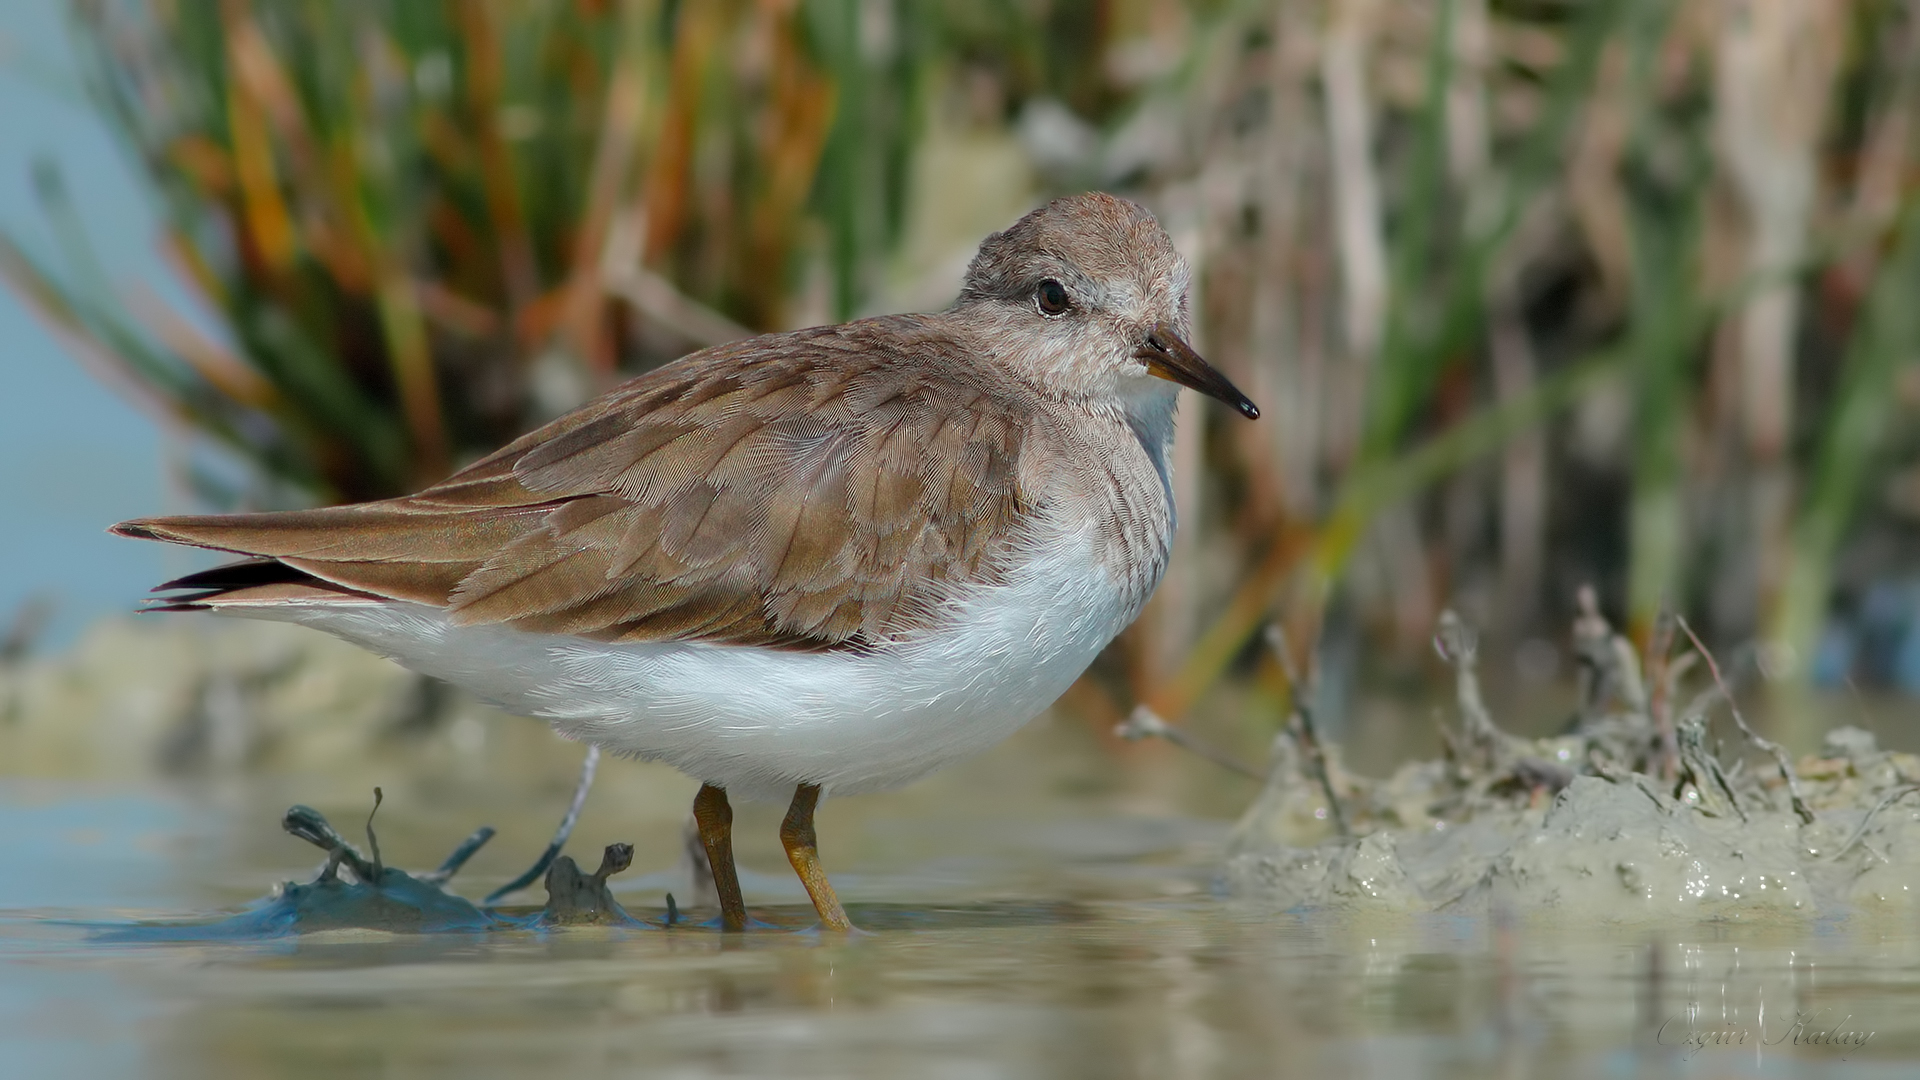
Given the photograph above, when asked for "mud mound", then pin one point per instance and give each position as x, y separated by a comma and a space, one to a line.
1634, 815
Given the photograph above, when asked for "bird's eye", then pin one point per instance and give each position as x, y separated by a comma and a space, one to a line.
1050, 297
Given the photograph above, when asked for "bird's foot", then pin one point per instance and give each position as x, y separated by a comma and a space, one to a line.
820, 933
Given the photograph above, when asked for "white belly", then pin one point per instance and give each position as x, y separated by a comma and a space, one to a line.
759, 721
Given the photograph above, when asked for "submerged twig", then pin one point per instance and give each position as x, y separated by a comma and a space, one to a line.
574, 897
1306, 732
373, 841
560, 835
306, 823
1144, 723
1779, 755
460, 855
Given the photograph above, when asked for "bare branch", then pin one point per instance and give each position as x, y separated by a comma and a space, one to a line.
1144, 723
1800, 806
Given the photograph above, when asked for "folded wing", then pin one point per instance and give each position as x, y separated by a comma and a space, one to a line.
802, 491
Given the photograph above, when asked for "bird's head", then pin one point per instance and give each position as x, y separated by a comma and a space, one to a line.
1086, 298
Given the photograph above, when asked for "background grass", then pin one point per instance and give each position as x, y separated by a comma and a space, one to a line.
1534, 294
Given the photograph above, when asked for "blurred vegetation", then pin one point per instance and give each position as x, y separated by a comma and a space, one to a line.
1533, 292
400, 212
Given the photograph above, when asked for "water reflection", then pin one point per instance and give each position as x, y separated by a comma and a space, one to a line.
1180, 989
1066, 931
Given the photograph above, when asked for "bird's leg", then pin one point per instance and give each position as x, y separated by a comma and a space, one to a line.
796, 835
714, 815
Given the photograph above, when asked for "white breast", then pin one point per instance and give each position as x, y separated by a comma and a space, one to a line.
758, 721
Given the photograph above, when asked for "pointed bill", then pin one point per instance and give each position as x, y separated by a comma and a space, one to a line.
1168, 356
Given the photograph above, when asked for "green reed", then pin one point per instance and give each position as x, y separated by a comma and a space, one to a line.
423, 227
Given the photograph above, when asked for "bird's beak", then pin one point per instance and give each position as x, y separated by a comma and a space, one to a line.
1168, 356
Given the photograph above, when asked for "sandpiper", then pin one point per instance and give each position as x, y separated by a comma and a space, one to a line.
822, 562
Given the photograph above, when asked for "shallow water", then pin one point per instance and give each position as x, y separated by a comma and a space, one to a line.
1046, 910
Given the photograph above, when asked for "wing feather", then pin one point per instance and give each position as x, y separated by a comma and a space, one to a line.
813, 490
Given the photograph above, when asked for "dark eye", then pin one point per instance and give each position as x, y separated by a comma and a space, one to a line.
1050, 297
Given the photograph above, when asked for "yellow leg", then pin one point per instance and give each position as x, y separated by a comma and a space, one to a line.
796, 835
714, 815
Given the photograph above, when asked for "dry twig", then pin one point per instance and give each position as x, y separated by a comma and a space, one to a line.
1459, 646
1779, 755
1303, 693
1614, 774
1890, 798
1662, 680
1144, 723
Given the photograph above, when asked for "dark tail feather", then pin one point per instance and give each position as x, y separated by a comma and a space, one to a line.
247, 580
239, 575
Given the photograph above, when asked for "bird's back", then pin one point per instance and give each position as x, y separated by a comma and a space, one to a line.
814, 490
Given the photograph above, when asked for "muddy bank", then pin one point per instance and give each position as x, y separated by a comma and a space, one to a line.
144, 696
1648, 809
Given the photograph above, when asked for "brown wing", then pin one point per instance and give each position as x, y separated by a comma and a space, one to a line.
811, 490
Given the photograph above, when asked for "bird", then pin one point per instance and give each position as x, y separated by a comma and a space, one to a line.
822, 562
